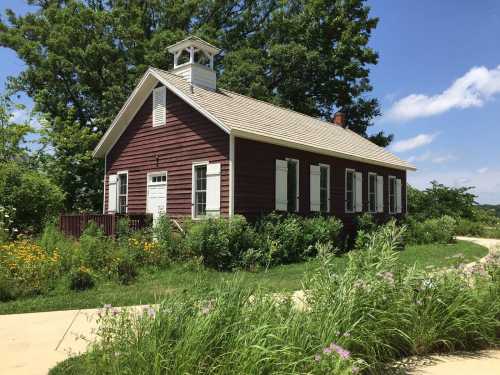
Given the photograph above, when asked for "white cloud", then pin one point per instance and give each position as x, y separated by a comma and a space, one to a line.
413, 143
21, 116
433, 158
471, 90
482, 170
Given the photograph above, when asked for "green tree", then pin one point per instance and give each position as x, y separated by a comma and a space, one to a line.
439, 200
83, 59
13, 146
32, 194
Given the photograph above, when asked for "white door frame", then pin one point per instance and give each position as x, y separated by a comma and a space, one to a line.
149, 183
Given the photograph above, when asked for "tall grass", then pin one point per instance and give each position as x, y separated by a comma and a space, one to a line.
356, 321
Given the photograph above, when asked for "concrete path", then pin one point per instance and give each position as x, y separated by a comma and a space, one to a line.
480, 363
31, 344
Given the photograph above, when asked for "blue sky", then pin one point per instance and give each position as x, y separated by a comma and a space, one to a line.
438, 81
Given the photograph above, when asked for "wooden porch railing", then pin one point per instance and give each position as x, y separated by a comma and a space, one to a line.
74, 224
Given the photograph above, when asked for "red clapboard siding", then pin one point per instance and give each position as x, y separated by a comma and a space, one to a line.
186, 137
255, 179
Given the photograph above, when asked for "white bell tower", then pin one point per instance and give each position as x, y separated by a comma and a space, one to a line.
197, 66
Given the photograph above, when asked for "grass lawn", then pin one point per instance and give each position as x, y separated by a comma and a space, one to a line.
152, 286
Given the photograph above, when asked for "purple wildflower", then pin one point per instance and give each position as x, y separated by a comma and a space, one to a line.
355, 370
344, 354
151, 312
327, 350
107, 306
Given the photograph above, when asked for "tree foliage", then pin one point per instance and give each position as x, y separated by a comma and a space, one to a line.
13, 146
439, 200
33, 195
83, 59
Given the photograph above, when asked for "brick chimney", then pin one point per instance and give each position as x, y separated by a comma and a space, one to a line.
339, 119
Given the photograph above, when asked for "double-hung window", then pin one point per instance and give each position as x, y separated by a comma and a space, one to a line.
372, 192
200, 190
392, 195
122, 192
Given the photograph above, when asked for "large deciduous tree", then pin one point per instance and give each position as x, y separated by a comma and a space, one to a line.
83, 59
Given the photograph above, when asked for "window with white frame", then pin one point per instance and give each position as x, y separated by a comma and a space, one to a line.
292, 185
372, 192
122, 192
392, 195
200, 190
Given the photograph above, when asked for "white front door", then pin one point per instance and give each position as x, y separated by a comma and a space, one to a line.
156, 202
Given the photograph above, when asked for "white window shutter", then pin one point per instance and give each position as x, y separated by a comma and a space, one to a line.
380, 194
213, 190
359, 191
315, 188
281, 185
159, 106
112, 192
398, 196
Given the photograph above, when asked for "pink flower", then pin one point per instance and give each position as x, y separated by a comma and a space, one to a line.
327, 350
344, 354
355, 370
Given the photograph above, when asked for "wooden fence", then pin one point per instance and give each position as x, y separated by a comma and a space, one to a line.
74, 224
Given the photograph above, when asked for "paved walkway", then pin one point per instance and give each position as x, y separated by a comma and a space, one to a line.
31, 344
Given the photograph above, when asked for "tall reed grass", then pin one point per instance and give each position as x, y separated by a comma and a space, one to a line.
358, 321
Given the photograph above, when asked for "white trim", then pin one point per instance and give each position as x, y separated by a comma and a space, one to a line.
231, 175
375, 187
149, 183
104, 187
193, 184
353, 191
132, 108
118, 192
190, 101
297, 178
299, 146
124, 109
389, 178
328, 189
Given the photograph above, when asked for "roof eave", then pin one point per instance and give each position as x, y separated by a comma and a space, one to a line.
299, 146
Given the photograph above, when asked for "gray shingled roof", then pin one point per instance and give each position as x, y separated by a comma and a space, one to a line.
244, 115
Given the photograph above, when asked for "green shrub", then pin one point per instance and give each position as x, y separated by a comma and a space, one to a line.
164, 236
291, 238
8, 286
53, 240
34, 196
441, 230
220, 242
81, 279
466, 227
98, 251
126, 270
